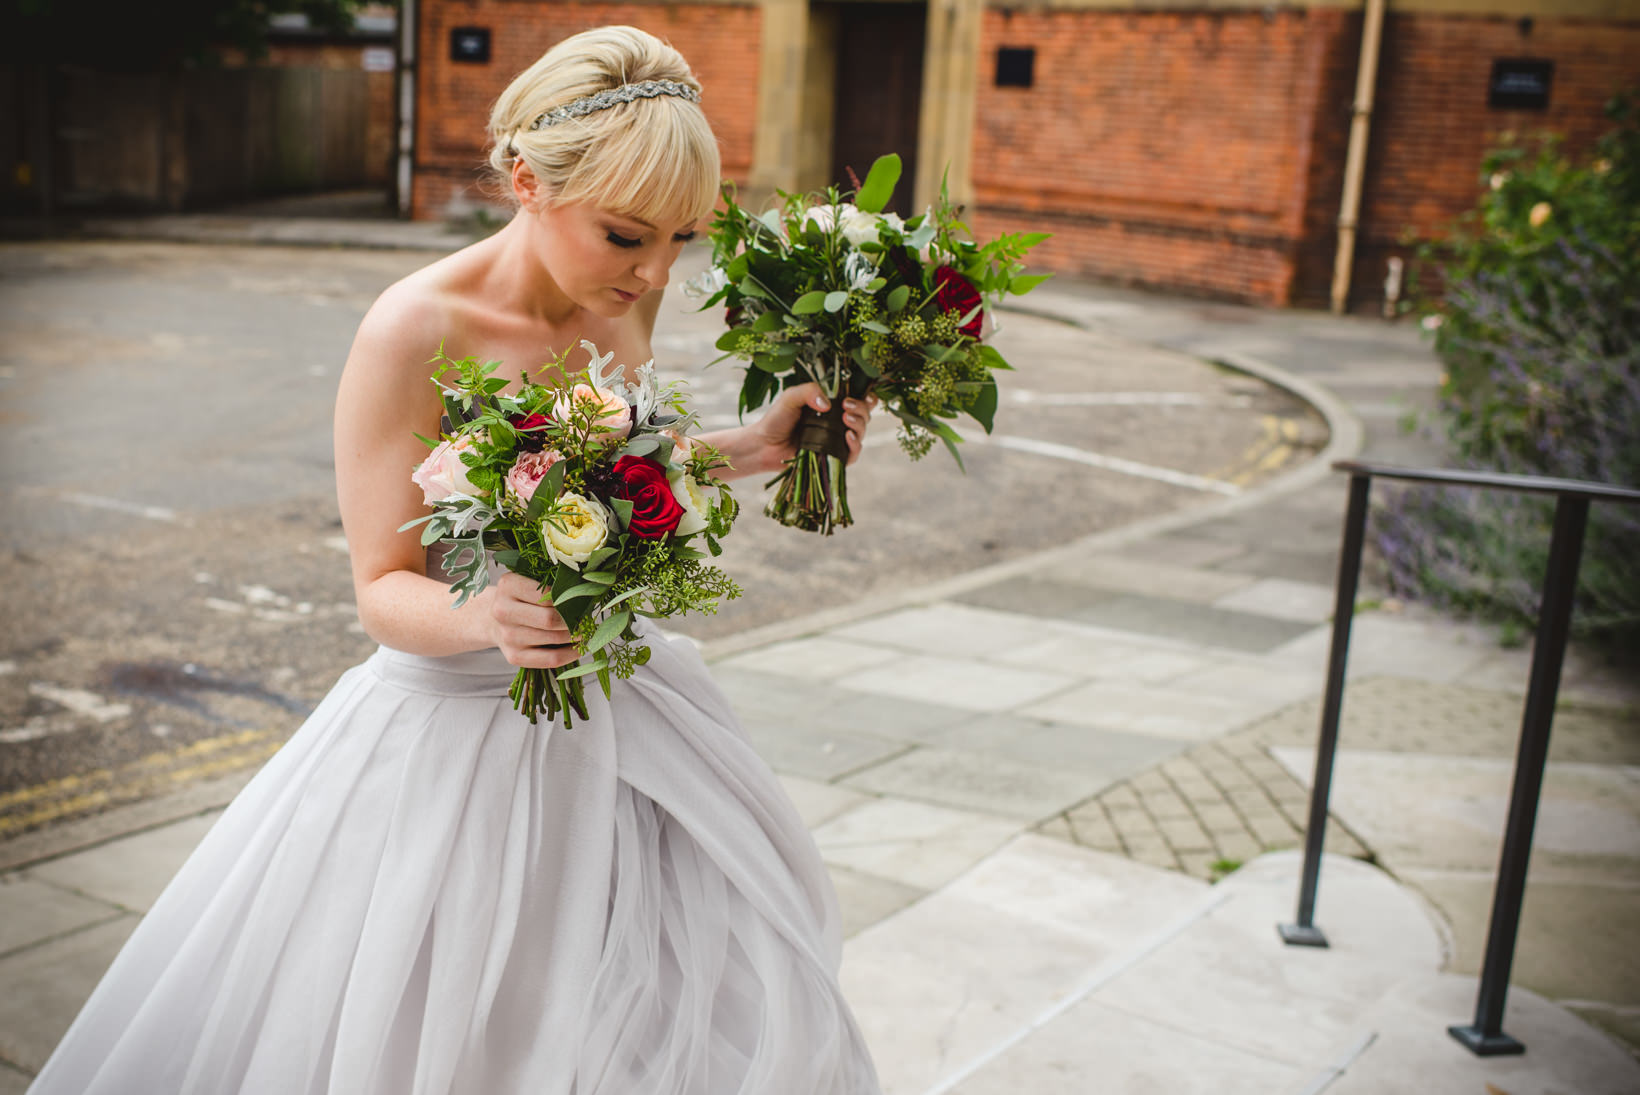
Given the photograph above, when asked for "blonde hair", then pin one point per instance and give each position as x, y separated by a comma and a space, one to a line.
652, 159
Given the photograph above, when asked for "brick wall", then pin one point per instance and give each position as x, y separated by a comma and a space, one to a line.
720, 42
1161, 148
1433, 127
1204, 151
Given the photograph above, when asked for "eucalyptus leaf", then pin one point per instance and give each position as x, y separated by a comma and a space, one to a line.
898, 296
608, 631
576, 592
578, 669
810, 303
879, 185
835, 300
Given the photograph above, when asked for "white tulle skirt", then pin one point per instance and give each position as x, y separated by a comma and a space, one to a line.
423, 894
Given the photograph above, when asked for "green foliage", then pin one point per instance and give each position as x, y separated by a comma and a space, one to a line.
1538, 326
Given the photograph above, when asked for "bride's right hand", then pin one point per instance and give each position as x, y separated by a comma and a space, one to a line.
529, 631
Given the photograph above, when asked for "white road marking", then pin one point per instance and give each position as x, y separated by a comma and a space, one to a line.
80, 701
1055, 451
36, 728
1109, 399
7, 667
119, 505
1115, 463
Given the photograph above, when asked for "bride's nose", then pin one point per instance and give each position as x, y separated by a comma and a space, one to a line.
655, 271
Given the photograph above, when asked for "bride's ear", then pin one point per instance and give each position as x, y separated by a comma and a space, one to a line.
525, 186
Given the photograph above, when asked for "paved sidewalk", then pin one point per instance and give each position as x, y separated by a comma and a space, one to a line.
1056, 795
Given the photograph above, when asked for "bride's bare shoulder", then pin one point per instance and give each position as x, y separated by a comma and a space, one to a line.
406, 325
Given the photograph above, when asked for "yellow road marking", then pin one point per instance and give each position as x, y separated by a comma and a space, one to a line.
88, 791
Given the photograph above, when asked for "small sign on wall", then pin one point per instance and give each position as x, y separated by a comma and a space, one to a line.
470, 44
1016, 67
379, 59
1520, 84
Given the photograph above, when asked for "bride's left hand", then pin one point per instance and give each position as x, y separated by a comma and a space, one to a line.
775, 434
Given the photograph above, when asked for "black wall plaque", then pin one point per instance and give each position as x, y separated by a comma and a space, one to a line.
1520, 84
470, 44
1015, 67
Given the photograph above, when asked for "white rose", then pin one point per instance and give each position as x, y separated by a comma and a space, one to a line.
579, 529
825, 216
859, 227
697, 501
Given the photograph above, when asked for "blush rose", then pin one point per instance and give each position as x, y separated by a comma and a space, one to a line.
443, 475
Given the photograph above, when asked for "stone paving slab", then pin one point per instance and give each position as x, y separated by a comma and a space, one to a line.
45, 986
13, 1081
32, 911
131, 873
1203, 624
919, 844
967, 780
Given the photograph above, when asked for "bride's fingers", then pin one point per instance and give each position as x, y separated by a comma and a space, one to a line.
540, 657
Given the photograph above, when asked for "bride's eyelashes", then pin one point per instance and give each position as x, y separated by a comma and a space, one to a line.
627, 241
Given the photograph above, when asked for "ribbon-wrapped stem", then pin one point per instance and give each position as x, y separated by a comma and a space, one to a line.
811, 492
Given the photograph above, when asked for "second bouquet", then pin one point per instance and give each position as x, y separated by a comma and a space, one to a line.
588, 484
861, 302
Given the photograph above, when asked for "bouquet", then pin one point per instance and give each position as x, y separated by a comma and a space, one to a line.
588, 485
861, 302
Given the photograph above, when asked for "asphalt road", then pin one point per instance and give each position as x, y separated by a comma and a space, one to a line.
176, 587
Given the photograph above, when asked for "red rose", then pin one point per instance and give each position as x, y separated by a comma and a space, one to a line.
655, 512
525, 424
955, 293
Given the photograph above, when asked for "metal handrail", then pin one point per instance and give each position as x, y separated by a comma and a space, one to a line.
1485, 1036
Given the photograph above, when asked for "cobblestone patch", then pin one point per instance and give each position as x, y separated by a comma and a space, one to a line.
1208, 810
1203, 812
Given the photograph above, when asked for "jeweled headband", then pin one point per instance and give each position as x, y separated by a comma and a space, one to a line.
602, 100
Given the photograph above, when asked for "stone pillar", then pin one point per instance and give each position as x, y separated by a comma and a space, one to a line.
945, 131
776, 146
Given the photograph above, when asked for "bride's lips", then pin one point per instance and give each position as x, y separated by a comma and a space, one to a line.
626, 296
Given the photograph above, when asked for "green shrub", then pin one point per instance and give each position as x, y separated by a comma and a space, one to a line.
1539, 329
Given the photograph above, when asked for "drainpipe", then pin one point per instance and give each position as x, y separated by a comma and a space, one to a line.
1366, 77
407, 103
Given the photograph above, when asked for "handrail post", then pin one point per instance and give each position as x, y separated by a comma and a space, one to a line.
1485, 1037
1303, 931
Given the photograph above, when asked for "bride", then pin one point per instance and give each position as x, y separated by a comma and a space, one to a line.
422, 893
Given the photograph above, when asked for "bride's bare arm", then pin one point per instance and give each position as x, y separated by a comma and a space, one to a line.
385, 397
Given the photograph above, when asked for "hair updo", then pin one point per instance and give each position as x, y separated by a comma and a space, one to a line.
652, 159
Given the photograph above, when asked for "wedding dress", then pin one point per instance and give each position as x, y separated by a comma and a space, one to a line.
423, 894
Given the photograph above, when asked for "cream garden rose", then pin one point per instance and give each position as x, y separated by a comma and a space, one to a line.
697, 500
579, 529
442, 475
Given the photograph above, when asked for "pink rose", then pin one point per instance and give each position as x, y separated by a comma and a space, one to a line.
443, 474
610, 412
525, 475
